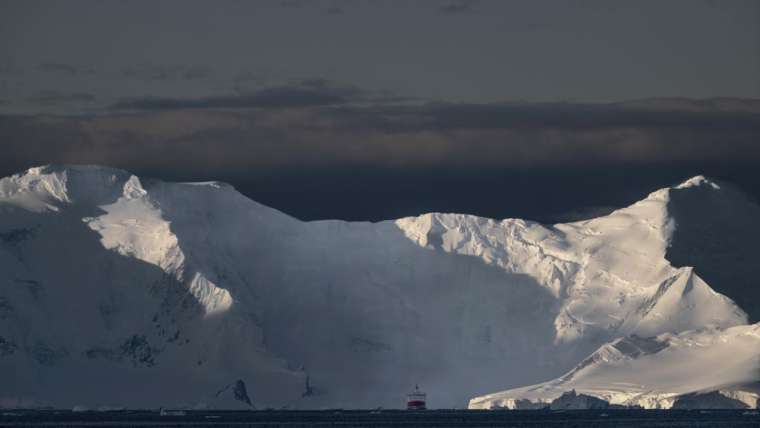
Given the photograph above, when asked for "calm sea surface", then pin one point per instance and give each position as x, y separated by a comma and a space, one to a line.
387, 418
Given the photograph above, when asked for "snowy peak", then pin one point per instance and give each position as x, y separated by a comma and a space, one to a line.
698, 181
94, 185
608, 273
133, 188
657, 206
52, 186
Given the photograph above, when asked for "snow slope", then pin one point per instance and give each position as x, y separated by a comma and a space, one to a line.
656, 372
174, 291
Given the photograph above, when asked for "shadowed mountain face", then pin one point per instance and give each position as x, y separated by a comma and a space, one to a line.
717, 232
190, 287
359, 308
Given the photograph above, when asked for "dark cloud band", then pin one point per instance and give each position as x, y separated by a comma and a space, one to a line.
307, 93
313, 150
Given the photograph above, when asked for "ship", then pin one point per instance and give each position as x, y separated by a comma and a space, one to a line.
416, 400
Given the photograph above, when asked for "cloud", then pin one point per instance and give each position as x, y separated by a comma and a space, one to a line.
457, 7
257, 77
8, 69
64, 69
306, 93
293, 3
333, 7
718, 104
153, 72
569, 116
52, 98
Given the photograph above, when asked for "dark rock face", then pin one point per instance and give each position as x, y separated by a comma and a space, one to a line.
46, 355
573, 401
524, 404
710, 400
7, 347
636, 346
6, 308
105, 353
16, 236
135, 349
241, 393
138, 350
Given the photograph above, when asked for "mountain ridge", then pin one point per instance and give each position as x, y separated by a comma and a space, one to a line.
269, 300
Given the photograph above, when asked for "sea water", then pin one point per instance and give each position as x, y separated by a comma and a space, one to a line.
386, 418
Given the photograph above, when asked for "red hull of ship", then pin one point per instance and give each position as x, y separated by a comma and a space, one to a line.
415, 405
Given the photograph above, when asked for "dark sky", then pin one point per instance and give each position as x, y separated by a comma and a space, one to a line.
87, 53
377, 109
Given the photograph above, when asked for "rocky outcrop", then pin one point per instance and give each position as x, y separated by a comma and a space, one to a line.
574, 401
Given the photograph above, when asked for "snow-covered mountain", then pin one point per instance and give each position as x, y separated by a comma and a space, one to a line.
116, 290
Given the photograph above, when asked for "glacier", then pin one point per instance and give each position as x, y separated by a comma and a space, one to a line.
118, 290
661, 372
